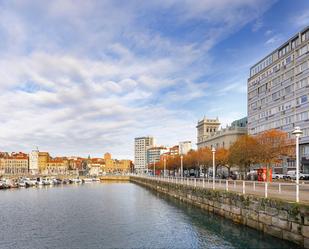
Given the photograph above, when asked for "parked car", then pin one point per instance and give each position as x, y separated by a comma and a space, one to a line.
291, 174
278, 176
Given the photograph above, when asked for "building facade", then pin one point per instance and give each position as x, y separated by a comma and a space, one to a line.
278, 93
141, 144
210, 136
205, 128
184, 147
34, 162
154, 154
14, 163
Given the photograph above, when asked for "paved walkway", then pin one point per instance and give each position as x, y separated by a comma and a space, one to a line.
281, 190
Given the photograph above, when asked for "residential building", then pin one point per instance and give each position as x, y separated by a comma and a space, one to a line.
43, 159
154, 154
141, 144
173, 150
57, 166
278, 93
116, 166
14, 163
96, 166
210, 136
184, 147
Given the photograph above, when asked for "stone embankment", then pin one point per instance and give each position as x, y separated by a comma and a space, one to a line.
284, 220
115, 178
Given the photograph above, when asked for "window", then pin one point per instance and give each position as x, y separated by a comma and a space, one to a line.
288, 89
302, 50
302, 83
276, 95
288, 60
294, 43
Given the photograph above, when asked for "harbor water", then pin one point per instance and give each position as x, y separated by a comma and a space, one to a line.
115, 215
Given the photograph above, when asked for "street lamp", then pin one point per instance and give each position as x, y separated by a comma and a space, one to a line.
297, 132
154, 167
213, 150
164, 160
181, 166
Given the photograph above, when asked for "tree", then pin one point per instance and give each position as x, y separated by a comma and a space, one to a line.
243, 152
272, 146
204, 158
222, 159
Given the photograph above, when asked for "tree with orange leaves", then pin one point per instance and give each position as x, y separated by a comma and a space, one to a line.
222, 159
272, 146
243, 153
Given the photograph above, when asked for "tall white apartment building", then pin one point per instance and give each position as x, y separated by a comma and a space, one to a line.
184, 147
278, 93
141, 144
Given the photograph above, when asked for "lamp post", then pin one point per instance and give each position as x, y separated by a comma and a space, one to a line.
181, 166
213, 150
154, 167
164, 161
297, 132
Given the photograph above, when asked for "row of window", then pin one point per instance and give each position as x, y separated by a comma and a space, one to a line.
304, 116
284, 107
265, 63
276, 81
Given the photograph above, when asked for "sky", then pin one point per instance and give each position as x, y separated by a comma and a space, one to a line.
87, 77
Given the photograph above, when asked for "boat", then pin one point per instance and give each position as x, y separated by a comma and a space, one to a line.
46, 181
21, 184
87, 180
95, 179
76, 180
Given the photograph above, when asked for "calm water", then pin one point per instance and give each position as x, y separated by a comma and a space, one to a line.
115, 215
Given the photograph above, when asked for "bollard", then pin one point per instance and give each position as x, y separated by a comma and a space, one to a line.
227, 185
279, 188
220, 182
187, 181
203, 183
234, 184
253, 186
243, 187
266, 189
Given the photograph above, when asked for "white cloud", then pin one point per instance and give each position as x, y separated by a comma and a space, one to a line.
87, 77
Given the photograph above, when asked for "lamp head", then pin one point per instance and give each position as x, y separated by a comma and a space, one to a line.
213, 149
297, 131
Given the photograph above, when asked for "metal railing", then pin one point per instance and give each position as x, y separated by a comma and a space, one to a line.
282, 190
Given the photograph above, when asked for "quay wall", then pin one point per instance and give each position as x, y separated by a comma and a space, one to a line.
115, 178
281, 219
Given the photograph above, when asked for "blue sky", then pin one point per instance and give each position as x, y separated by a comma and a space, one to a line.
86, 77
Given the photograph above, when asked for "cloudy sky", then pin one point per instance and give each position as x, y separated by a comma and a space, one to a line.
86, 77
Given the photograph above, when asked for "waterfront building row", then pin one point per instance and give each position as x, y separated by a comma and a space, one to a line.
146, 153
41, 163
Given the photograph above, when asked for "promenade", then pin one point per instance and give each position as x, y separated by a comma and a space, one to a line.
279, 189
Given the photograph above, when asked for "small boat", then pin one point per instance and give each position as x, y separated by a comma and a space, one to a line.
66, 181
87, 180
95, 179
22, 184
76, 180
46, 181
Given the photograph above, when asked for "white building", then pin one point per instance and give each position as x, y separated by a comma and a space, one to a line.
141, 144
184, 147
34, 162
278, 94
154, 154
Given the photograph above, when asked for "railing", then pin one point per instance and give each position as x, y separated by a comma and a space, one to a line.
282, 190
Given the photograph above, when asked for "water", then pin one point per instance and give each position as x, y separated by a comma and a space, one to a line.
115, 215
